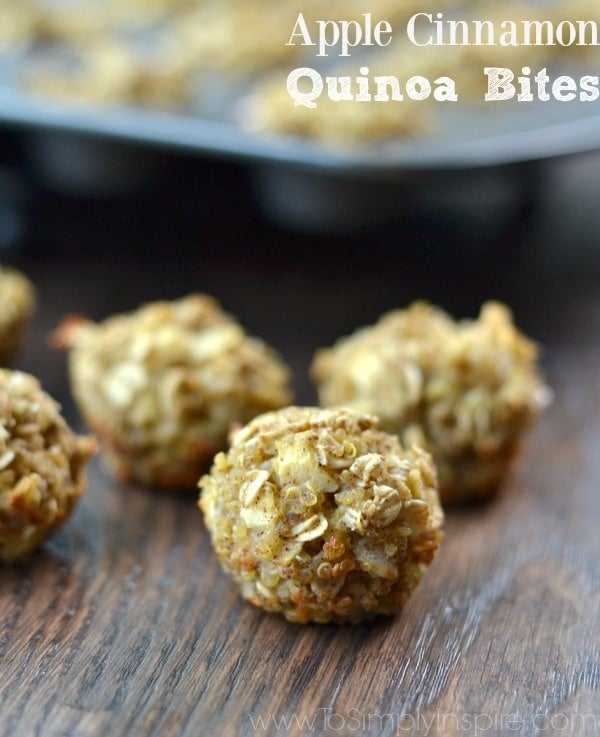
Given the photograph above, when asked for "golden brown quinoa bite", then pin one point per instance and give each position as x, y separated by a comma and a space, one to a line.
320, 516
465, 391
41, 465
17, 305
161, 386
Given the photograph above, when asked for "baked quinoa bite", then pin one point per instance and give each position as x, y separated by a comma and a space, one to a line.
17, 305
41, 465
466, 391
321, 516
161, 386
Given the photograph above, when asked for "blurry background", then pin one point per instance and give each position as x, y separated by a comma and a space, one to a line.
198, 224
294, 234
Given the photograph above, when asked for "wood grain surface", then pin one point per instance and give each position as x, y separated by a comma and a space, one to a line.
124, 625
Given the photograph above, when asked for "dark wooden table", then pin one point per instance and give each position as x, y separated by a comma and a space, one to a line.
123, 624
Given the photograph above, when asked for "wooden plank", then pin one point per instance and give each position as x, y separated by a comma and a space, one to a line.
125, 625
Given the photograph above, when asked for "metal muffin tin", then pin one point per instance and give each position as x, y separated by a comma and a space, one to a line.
300, 179
471, 137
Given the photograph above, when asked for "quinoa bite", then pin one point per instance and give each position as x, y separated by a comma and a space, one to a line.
321, 516
161, 386
17, 305
466, 391
41, 465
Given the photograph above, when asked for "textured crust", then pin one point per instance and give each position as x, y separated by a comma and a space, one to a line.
321, 516
41, 465
17, 305
466, 390
161, 386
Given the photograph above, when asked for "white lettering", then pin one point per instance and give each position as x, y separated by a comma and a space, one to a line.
300, 29
500, 85
305, 86
307, 99
564, 89
445, 90
411, 27
590, 89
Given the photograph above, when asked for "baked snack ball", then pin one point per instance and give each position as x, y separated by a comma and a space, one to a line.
464, 390
17, 304
161, 386
41, 465
319, 515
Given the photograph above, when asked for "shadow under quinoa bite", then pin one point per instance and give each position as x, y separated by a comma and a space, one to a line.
466, 391
161, 386
321, 516
41, 465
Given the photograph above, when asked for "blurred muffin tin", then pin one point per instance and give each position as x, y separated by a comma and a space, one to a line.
299, 180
